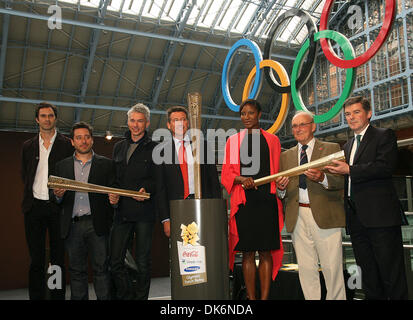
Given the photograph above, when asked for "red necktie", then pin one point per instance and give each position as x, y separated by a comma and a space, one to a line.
184, 168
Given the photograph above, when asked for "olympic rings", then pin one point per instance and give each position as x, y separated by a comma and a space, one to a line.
349, 62
285, 81
310, 62
366, 56
224, 80
348, 51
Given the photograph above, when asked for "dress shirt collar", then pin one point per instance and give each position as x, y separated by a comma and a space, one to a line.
362, 133
178, 141
51, 140
309, 144
90, 160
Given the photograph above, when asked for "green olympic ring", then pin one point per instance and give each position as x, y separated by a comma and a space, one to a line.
348, 51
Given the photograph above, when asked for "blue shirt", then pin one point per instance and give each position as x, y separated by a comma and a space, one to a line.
81, 205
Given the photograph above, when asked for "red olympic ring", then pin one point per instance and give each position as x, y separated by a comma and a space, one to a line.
366, 56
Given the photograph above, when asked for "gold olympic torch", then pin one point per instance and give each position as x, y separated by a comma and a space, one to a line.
73, 185
194, 108
316, 164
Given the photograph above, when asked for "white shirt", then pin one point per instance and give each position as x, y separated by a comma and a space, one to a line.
353, 154
40, 190
303, 193
189, 160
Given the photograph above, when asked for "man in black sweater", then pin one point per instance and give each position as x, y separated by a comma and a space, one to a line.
135, 170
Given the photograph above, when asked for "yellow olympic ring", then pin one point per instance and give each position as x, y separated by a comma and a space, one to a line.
285, 81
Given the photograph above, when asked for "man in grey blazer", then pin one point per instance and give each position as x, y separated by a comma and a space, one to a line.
314, 212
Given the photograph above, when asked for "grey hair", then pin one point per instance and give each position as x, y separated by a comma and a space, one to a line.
140, 108
310, 114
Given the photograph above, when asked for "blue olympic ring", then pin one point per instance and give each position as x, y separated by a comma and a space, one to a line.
225, 76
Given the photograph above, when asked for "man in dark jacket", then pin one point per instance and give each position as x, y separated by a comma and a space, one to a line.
39, 157
174, 185
87, 217
373, 211
135, 170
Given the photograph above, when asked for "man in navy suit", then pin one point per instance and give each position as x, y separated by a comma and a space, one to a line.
86, 217
373, 211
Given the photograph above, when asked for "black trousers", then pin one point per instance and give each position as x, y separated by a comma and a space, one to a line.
379, 254
43, 218
121, 236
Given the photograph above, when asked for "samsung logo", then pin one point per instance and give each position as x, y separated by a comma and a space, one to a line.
192, 268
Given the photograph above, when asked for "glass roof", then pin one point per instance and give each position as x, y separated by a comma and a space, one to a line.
230, 16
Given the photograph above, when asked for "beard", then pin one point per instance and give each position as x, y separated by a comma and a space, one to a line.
84, 151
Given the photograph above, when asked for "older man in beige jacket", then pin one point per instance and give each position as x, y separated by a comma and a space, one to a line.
314, 212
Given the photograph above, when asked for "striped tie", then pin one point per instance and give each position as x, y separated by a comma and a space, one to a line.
303, 160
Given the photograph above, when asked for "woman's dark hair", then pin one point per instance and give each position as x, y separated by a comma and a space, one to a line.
251, 102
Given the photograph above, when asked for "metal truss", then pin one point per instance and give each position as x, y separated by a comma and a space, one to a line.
91, 54
183, 32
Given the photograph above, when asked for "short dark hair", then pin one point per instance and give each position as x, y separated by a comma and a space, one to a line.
251, 102
81, 125
358, 99
176, 109
42, 105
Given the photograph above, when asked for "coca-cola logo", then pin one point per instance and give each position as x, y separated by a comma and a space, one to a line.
190, 254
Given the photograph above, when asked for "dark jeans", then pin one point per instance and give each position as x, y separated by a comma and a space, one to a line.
379, 254
82, 240
41, 218
121, 235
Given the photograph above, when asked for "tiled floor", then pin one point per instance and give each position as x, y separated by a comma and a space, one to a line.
160, 290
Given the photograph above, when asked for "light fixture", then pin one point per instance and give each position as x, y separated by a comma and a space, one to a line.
108, 136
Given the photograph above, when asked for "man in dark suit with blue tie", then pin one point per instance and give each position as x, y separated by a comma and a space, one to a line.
373, 211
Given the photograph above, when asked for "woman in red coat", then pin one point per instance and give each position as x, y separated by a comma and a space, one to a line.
256, 217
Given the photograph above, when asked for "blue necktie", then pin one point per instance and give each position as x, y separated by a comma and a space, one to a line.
303, 160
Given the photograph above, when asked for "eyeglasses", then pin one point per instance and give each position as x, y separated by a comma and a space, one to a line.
300, 125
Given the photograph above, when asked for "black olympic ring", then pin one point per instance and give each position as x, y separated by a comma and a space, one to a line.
308, 65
